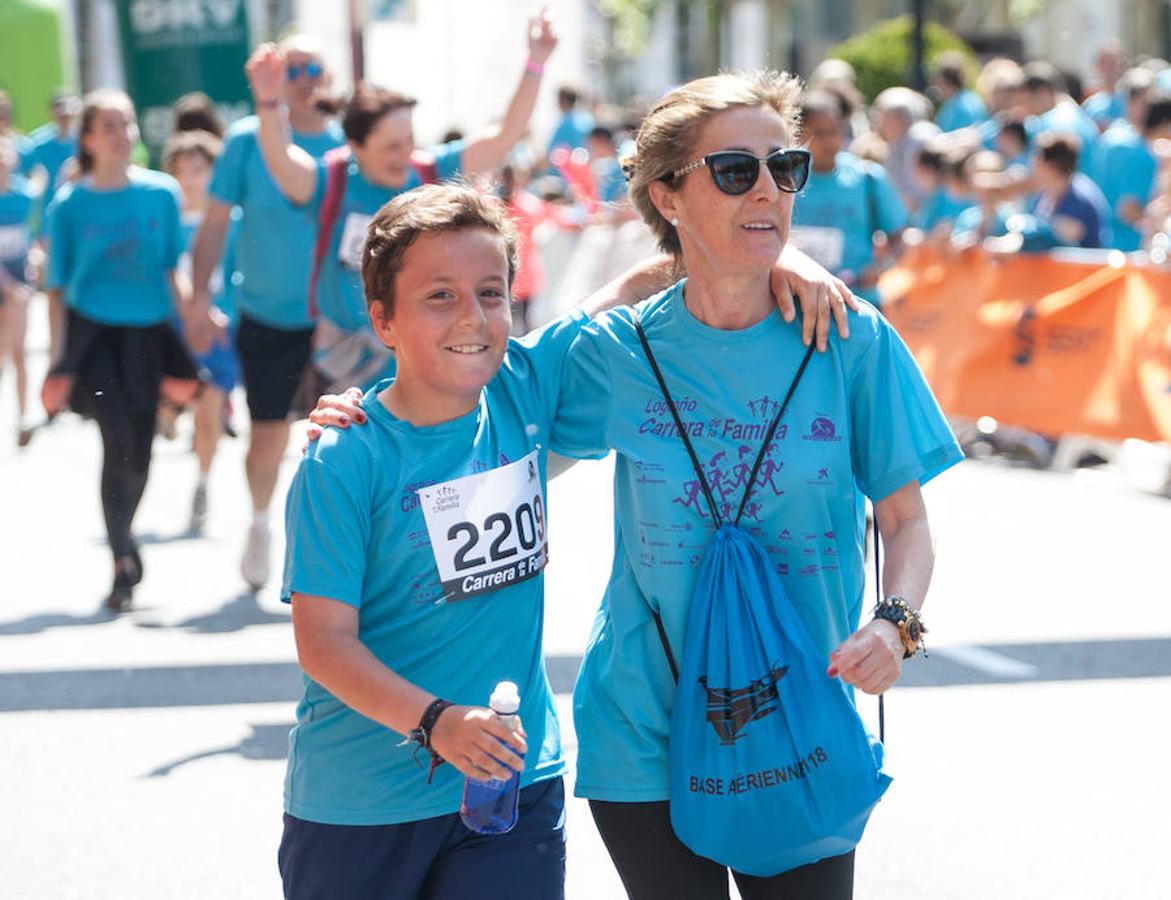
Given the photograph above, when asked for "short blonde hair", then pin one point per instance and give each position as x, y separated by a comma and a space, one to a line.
668, 135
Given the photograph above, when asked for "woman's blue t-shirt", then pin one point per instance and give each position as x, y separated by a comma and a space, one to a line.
112, 251
862, 423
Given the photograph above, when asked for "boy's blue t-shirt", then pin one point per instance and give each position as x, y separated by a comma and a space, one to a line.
50, 151
837, 213
357, 533
861, 423
341, 296
274, 250
219, 286
962, 110
1124, 168
16, 208
112, 251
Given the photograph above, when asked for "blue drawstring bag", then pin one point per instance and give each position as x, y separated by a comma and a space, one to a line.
770, 766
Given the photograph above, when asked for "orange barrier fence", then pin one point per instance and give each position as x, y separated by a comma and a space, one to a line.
1051, 345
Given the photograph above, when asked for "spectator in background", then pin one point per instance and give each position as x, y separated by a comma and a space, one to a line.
574, 127
1157, 131
839, 78
611, 184
903, 121
961, 106
1107, 103
845, 203
1068, 209
21, 144
196, 112
54, 144
1001, 85
1056, 112
1012, 143
980, 219
1123, 166
935, 174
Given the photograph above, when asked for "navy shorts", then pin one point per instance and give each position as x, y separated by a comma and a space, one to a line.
431, 859
273, 362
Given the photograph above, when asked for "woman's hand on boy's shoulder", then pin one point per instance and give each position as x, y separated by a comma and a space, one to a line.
478, 743
338, 410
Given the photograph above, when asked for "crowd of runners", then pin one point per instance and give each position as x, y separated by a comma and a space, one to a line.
289, 251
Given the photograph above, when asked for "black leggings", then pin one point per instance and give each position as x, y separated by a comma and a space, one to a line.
127, 436
655, 865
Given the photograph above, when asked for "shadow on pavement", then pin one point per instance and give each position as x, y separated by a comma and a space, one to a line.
265, 742
280, 682
44, 621
236, 614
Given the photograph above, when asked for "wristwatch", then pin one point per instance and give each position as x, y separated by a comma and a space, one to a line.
906, 618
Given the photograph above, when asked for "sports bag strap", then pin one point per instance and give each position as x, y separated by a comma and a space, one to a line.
772, 429
666, 644
336, 161
707, 491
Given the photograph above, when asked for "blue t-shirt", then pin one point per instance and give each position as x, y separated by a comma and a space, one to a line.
962, 110
940, 207
837, 213
274, 250
220, 284
112, 251
972, 219
1084, 202
1105, 108
1068, 118
1124, 168
861, 423
611, 183
357, 534
341, 296
16, 207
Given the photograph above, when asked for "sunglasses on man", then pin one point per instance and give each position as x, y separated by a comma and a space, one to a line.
736, 171
309, 70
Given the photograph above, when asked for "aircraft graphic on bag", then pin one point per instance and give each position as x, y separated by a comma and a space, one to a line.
730, 709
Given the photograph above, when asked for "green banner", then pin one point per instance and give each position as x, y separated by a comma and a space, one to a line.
172, 47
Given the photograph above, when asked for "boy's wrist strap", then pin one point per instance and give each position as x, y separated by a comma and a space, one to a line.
421, 733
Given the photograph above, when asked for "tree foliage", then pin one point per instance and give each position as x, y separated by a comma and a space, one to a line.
883, 56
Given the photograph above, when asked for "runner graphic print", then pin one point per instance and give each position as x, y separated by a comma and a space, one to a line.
487, 530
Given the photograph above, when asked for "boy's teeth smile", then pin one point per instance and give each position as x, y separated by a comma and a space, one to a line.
468, 348
758, 226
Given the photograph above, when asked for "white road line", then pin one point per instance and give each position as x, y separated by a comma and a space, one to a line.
988, 661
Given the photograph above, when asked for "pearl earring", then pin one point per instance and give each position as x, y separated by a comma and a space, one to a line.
675, 222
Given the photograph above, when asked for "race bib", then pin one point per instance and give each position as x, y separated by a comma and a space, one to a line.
487, 530
821, 244
13, 242
349, 251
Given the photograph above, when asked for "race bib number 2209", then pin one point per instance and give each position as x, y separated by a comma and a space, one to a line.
487, 531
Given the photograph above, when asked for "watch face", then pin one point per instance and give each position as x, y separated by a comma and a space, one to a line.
914, 631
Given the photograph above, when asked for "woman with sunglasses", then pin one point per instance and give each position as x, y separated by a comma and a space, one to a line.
715, 176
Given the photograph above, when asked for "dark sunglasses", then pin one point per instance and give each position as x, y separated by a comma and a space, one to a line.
736, 171
310, 70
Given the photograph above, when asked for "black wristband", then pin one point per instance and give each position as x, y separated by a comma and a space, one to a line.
430, 717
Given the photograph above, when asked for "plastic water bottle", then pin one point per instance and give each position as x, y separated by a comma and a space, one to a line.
489, 807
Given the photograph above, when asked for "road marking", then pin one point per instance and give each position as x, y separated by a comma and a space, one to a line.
988, 661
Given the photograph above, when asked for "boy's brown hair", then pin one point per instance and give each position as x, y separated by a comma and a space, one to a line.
431, 209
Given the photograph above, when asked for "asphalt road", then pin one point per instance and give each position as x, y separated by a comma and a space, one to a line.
142, 756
